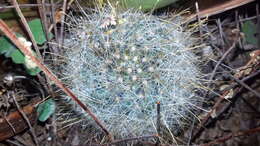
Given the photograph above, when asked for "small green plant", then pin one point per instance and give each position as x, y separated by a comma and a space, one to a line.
9, 50
249, 29
46, 109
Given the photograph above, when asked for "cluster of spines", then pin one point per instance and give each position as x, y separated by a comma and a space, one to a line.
121, 65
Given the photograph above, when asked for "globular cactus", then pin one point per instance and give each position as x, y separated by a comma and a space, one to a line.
121, 64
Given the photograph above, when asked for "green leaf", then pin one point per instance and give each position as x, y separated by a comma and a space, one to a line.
249, 29
6, 46
146, 5
46, 109
37, 30
8, 49
17, 57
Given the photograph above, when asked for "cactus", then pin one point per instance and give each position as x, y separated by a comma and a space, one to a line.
122, 64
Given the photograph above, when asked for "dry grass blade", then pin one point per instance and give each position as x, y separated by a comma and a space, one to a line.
228, 5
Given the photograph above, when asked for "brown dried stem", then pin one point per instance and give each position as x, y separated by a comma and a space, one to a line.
158, 122
130, 139
252, 73
14, 123
7, 31
24, 6
27, 28
64, 8
227, 137
219, 8
245, 86
24, 116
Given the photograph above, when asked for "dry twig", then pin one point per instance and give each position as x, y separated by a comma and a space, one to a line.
222, 7
24, 6
7, 31
64, 8
14, 123
26, 119
18, 10
245, 86
222, 98
130, 139
158, 122
229, 136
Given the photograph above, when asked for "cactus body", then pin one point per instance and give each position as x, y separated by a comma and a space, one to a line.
122, 64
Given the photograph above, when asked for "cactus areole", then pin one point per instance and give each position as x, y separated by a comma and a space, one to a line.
122, 64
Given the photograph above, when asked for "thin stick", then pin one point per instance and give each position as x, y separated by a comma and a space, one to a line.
245, 86
217, 66
236, 91
10, 124
54, 20
221, 32
42, 11
198, 18
158, 122
25, 118
227, 137
7, 31
250, 105
62, 23
130, 139
249, 18
191, 132
238, 21
222, 7
244, 80
20, 140
55, 29
204, 121
221, 60
12, 142
18, 10
24, 6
